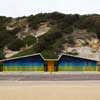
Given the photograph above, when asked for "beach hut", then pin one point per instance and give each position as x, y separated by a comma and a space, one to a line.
33, 62
72, 63
36, 62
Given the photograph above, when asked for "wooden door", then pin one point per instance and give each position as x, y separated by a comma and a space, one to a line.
50, 66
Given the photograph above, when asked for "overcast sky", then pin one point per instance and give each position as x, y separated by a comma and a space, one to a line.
15, 8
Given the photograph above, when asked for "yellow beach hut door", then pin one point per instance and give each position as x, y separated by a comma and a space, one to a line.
50, 66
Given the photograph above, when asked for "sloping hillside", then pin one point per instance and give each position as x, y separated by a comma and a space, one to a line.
50, 34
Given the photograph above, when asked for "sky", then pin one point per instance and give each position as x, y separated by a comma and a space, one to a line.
17, 8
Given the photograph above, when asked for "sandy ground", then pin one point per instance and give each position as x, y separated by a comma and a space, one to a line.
46, 90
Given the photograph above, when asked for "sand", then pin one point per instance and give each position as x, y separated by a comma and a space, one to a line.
71, 90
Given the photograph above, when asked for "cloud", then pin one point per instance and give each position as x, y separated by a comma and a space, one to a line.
26, 7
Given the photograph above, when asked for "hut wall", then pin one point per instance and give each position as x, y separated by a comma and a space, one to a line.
68, 63
33, 63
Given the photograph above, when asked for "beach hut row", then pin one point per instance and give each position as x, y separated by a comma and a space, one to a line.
37, 63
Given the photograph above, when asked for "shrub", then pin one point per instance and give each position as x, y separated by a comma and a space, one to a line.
16, 45
29, 40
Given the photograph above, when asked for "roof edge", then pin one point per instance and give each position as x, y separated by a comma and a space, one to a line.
76, 57
22, 57
46, 59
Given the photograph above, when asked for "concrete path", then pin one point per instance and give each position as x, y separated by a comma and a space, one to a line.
58, 76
